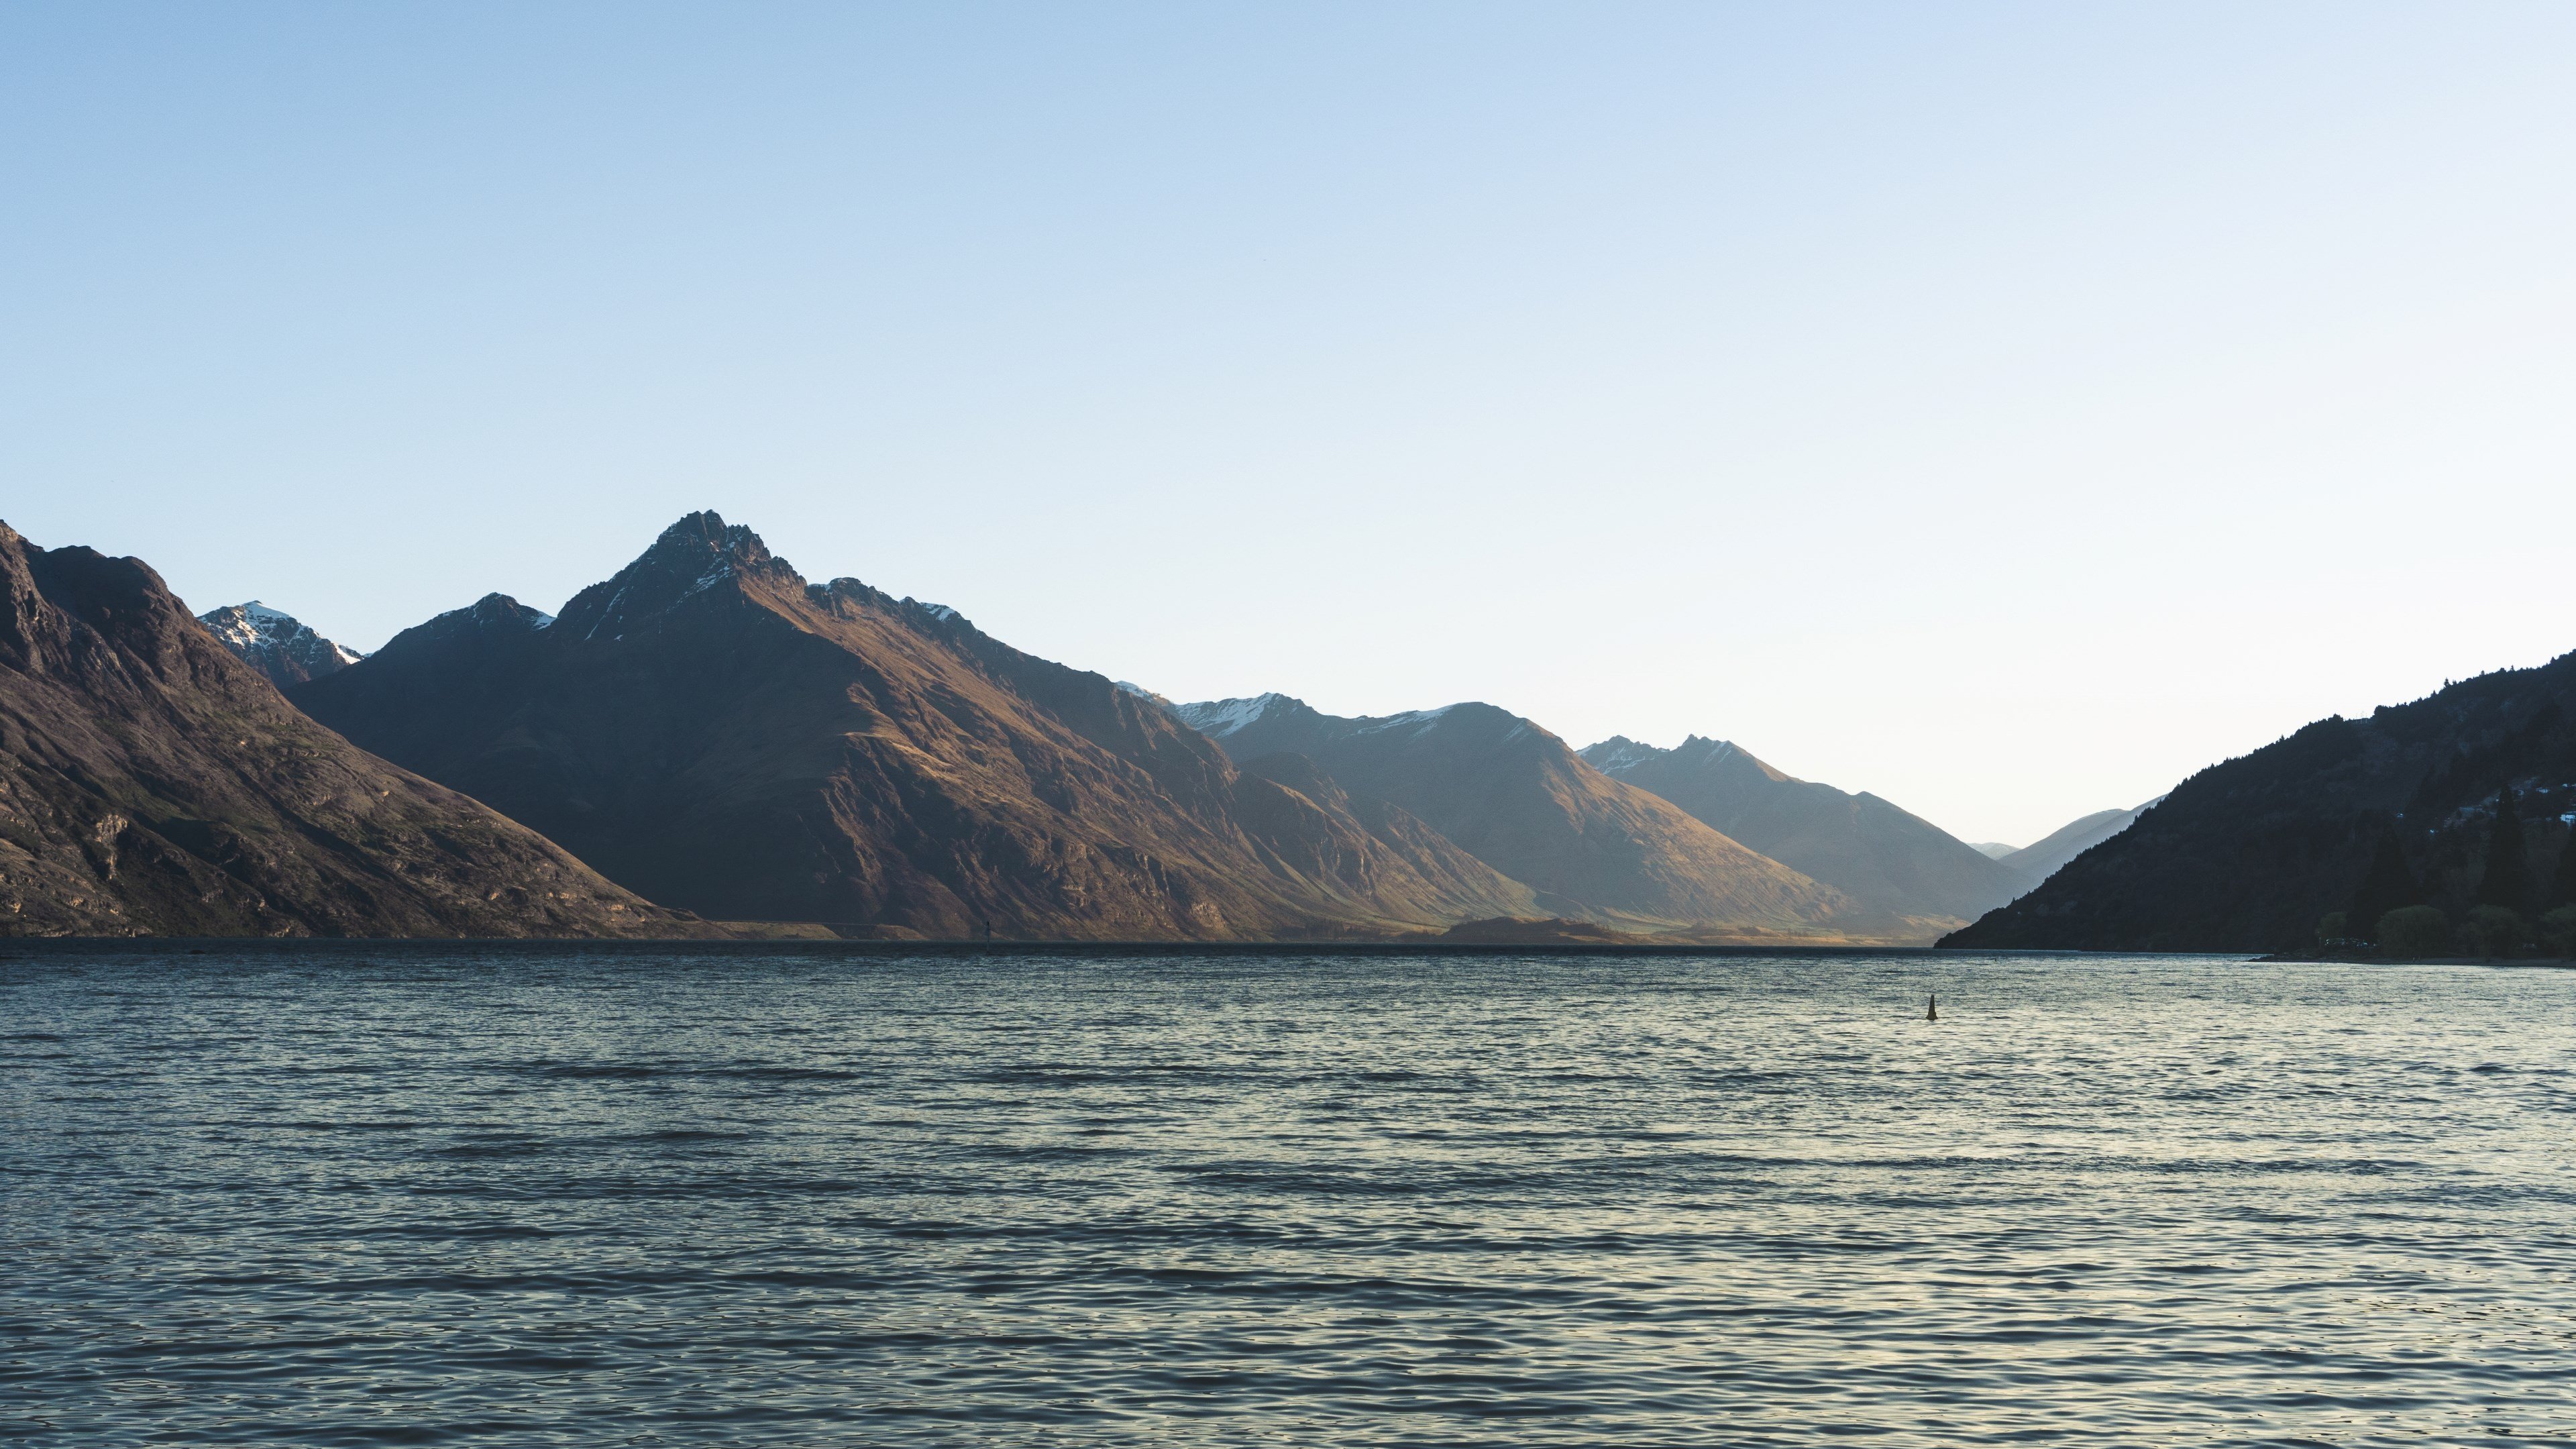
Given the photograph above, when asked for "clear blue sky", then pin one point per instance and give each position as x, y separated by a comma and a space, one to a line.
2007, 409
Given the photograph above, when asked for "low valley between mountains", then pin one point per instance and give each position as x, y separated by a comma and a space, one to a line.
709, 741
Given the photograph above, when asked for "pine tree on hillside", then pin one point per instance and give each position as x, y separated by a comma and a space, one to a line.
2507, 880
2562, 883
2387, 885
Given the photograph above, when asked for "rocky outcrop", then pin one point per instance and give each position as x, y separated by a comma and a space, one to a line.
153, 783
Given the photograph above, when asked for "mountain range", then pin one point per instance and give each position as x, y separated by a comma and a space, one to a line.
710, 732
1859, 844
153, 783
1518, 798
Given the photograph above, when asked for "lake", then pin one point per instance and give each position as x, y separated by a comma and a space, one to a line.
367, 1194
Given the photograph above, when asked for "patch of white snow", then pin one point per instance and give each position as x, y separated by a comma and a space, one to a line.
1410, 719
722, 571
1218, 718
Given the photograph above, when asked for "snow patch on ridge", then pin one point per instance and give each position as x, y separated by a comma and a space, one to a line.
1141, 692
606, 615
1410, 719
275, 642
721, 572
1618, 754
1218, 718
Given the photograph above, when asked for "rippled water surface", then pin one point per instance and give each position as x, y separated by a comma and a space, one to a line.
349, 1196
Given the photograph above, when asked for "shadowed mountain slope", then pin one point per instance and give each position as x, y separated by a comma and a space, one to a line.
153, 784
2249, 854
1882, 856
711, 730
1513, 795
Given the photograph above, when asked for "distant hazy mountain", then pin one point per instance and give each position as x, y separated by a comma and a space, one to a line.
1517, 798
1882, 856
276, 644
1992, 849
711, 730
152, 783
2041, 859
2249, 854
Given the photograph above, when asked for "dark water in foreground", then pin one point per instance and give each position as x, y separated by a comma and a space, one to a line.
335, 1197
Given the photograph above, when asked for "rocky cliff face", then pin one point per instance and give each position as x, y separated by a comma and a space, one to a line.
277, 645
1517, 798
1883, 857
152, 783
2249, 854
712, 730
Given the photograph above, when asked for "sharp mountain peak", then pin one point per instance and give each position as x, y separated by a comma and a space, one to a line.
703, 556
276, 643
154, 782
697, 555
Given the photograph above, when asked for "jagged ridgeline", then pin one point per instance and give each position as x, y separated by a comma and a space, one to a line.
714, 731
152, 783
710, 730
2351, 816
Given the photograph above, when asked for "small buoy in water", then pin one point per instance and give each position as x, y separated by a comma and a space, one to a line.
1932, 1008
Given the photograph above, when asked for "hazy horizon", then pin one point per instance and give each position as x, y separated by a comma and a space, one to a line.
2005, 410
